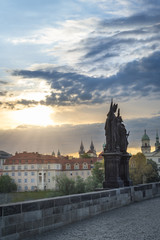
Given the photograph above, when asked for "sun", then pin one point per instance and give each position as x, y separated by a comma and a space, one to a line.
39, 115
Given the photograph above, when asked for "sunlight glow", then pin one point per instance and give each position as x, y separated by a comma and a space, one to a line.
39, 116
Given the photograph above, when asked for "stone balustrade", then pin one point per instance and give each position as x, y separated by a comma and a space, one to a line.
24, 219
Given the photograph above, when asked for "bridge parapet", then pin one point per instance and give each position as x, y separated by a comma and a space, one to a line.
24, 219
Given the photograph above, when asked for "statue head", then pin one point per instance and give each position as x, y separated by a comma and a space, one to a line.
115, 107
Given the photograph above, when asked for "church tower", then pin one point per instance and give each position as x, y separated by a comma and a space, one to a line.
92, 151
157, 143
81, 150
146, 148
92, 148
58, 154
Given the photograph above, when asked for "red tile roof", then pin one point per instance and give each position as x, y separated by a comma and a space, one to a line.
36, 158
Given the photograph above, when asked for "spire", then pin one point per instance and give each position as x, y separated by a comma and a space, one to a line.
58, 154
104, 146
157, 137
92, 146
81, 150
157, 143
53, 153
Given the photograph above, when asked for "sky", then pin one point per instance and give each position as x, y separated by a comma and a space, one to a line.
61, 63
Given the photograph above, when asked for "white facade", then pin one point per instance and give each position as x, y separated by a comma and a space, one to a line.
34, 171
29, 177
154, 156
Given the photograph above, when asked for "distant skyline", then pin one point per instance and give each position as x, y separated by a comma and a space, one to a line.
61, 63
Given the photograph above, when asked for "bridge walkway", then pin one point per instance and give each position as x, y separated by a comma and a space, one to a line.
138, 221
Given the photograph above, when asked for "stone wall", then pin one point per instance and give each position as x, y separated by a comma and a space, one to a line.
25, 219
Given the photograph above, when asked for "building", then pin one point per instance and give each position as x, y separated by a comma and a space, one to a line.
91, 152
78, 167
3, 157
81, 150
146, 149
34, 171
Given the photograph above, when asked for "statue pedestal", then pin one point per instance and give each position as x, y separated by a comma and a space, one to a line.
124, 169
112, 170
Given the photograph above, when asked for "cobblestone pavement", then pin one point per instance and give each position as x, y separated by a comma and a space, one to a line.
139, 221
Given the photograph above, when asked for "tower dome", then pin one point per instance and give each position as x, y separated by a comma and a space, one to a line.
146, 148
145, 136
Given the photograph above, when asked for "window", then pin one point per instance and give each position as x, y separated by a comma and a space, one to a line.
85, 166
48, 166
68, 166
57, 166
48, 180
6, 167
13, 174
19, 167
32, 173
32, 180
26, 174
25, 180
32, 166
76, 166
19, 173
32, 188
48, 173
13, 167
25, 167
19, 188
26, 188
19, 180
6, 173
82, 173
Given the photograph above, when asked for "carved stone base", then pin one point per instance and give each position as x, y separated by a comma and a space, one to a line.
124, 169
112, 170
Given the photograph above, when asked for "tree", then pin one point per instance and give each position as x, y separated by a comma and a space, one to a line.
141, 170
137, 167
6, 184
90, 184
65, 185
85, 155
98, 174
153, 175
80, 185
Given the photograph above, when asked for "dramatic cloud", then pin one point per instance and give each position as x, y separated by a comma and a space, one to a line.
71, 63
3, 93
19, 104
136, 79
124, 7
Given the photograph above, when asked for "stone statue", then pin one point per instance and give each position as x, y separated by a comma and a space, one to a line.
122, 135
115, 131
116, 158
111, 128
